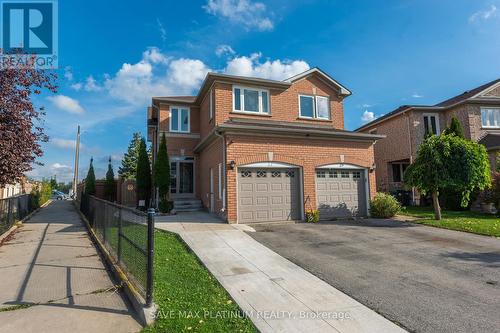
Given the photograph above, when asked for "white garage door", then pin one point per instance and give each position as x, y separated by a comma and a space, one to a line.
340, 193
268, 194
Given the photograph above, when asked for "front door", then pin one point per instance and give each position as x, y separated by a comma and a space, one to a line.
211, 194
182, 179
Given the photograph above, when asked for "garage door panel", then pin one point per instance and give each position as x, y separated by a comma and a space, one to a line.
268, 194
340, 193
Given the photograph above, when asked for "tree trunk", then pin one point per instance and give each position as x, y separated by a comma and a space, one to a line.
435, 204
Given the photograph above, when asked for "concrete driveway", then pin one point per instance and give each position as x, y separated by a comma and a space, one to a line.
427, 279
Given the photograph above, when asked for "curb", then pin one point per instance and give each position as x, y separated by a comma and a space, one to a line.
147, 315
20, 222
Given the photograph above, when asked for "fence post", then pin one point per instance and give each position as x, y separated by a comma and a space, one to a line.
149, 285
10, 215
119, 235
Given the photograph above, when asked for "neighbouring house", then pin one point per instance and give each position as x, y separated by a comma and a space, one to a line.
256, 150
478, 111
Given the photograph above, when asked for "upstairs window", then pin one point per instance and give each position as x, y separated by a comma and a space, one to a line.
314, 107
490, 117
431, 124
250, 100
179, 119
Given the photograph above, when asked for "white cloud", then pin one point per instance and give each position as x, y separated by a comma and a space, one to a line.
68, 73
91, 84
224, 49
154, 56
416, 95
367, 116
484, 15
275, 69
366, 105
161, 30
59, 166
64, 143
76, 86
187, 74
251, 15
66, 103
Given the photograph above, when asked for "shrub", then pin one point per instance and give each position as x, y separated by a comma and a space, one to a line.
384, 206
312, 215
495, 188
165, 205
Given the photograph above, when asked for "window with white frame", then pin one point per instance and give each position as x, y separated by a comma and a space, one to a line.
490, 117
179, 119
220, 181
314, 107
431, 124
250, 100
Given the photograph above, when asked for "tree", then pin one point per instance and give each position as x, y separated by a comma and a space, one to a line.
448, 161
21, 130
162, 174
129, 162
143, 174
109, 184
455, 128
53, 183
90, 179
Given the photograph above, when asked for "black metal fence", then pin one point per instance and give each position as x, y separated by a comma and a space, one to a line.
128, 236
14, 209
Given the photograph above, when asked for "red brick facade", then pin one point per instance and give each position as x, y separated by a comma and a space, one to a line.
214, 151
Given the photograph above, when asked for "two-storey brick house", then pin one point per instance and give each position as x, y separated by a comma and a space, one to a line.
254, 150
478, 111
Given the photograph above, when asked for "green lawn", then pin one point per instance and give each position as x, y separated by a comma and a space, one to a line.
467, 221
189, 297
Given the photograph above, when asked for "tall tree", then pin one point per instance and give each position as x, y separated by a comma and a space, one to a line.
162, 174
21, 123
455, 128
449, 162
129, 162
53, 183
110, 184
90, 179
143, 174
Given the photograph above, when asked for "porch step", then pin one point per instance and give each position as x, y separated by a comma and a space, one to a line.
188, 205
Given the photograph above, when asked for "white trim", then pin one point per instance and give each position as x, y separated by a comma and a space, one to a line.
367, 192
313, 104
433, 114
327, 105
341, 166
268, 165
179, 119
315, 115
242, 100
343, 90
485, 91
481, 115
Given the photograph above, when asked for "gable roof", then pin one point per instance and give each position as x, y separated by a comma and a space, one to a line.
211, 77
469, 95
343, 90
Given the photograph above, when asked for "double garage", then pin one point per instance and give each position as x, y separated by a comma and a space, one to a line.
271, 191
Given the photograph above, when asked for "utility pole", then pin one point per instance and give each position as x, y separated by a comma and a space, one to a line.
77, 153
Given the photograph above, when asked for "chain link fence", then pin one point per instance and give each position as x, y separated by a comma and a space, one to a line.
14, 209
127, 234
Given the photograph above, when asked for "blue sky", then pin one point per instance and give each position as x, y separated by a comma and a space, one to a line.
114, 56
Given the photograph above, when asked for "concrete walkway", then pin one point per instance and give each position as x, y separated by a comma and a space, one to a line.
277, 294
51, 266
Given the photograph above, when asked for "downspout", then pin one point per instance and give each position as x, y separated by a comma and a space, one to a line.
217, 133
411, 153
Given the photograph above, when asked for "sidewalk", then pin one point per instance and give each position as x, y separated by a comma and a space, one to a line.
51, 267
279, 295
